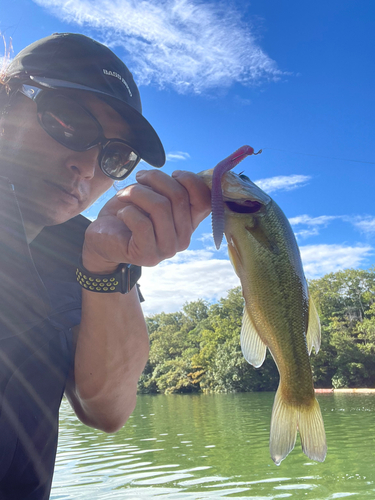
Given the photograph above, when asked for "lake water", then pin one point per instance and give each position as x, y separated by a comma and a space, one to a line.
214, 446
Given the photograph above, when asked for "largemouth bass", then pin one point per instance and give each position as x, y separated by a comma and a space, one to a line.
278, 314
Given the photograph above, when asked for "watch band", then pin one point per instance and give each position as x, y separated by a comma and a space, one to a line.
122, 280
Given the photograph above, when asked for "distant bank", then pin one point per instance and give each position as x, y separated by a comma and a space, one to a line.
339, 391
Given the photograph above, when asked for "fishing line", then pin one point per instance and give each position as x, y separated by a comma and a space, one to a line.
320, 156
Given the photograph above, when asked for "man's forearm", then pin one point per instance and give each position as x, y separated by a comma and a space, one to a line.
144, 224
111, 352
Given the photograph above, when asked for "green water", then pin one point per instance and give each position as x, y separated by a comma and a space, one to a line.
214, 446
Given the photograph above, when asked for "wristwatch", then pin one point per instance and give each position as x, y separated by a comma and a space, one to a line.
122, 280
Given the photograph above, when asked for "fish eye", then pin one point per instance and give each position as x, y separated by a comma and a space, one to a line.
244, 177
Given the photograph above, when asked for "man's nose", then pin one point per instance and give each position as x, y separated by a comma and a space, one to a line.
85, 163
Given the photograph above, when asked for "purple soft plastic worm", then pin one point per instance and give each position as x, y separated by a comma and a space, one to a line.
217, 202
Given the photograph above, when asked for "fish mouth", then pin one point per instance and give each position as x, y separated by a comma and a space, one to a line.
243, 207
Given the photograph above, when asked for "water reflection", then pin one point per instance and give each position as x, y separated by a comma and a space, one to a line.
198, 447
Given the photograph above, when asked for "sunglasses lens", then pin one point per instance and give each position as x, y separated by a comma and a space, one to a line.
72, 126
67, 122
118, 160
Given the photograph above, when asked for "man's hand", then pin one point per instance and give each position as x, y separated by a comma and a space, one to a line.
146, 222
143, 224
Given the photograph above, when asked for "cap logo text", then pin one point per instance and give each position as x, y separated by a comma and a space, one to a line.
117, 75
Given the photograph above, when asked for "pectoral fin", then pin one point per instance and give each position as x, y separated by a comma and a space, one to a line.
313, 336
253, 348
234, 256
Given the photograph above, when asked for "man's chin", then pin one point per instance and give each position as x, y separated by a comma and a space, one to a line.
55, 219
36, 220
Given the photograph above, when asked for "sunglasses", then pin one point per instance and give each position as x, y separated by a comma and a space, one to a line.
73, 126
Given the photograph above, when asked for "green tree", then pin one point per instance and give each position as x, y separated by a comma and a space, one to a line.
198, 348
220, 356
173, 343
345, 301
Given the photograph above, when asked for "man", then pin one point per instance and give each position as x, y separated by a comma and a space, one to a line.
71, 125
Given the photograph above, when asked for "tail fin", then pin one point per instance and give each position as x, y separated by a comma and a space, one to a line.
286, 418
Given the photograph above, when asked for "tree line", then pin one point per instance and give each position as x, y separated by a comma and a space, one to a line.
198, 348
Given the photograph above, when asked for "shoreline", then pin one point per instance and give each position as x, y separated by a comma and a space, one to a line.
347, 390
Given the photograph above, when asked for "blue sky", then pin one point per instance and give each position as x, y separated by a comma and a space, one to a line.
293, 78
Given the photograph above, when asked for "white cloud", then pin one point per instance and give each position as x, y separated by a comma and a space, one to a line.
321, 220
365, 224
322, 259
177, 155
192, 275
204, 237
306, 233
187, 44
242, 101
282, 182
314, 224
189, 276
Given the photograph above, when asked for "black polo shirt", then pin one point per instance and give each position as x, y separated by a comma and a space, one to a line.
40, 301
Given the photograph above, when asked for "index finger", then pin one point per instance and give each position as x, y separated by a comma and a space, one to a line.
199, 195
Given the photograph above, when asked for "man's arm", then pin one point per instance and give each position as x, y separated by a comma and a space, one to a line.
111, 351
143, 225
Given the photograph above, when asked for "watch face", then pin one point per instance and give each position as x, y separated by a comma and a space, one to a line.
135, 273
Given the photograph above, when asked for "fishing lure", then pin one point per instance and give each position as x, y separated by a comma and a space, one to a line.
217, 203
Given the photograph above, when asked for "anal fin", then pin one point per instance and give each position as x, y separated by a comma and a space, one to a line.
313, 336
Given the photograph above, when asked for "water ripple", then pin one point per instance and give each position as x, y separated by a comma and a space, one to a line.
209, 447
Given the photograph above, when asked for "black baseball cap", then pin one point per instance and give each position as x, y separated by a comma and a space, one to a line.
75, 61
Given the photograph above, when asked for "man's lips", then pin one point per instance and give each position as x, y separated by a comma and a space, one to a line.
69, 191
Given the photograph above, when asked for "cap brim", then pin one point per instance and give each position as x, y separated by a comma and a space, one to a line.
144, 138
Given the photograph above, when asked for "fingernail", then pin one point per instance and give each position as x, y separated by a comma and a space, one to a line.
176, 173
140, 173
